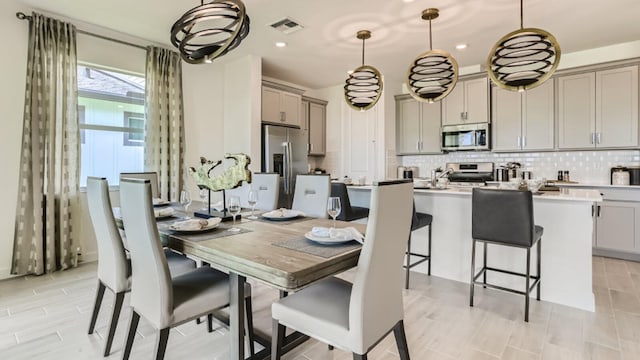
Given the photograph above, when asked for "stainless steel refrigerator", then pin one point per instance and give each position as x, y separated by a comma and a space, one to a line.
284, 151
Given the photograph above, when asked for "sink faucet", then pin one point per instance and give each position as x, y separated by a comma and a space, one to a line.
434, 179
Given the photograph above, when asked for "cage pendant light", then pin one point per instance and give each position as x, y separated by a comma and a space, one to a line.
524, 58
433, 74
210, 30
364, 85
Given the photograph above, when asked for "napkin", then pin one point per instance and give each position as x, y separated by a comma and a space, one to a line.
158, 201
282, 212
195, 224
347, 233
168, 211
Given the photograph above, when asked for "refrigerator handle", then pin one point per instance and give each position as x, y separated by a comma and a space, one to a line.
285, 170
289, 169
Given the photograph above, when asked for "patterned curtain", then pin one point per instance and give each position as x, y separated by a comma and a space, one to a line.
48, 185
164, 138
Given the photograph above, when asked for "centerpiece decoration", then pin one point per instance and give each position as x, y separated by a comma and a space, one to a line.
231, 178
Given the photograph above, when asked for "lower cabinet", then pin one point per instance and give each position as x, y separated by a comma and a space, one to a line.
618, 226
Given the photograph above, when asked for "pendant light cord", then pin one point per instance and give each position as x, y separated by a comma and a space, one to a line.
363, 52
521, 15
430, 37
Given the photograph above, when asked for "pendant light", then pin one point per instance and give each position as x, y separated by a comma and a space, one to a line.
433, 74
364, 85
210, 30
524, 58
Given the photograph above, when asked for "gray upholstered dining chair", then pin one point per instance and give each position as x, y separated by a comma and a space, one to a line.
149, 175
356, 316
311, 194
114, 270
164, 302
267, 185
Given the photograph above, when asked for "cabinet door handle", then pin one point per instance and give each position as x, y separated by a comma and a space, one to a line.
421, 145
518, 141
524, 142
418, 145
599, 138
593, 138
283, 116
598, 206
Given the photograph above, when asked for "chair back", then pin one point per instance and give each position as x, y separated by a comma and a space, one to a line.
503, 216
339, 189
311, 195
267, 185
113, 267
376, 297
151, 287
151, 176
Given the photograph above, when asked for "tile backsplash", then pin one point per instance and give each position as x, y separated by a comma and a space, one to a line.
590, 167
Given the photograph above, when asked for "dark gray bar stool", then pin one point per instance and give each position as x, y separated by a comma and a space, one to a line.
505, 217
348, 213
419, 221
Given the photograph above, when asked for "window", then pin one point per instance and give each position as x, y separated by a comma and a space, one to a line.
111, 122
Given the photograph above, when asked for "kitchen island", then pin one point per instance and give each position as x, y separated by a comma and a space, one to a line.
566, 258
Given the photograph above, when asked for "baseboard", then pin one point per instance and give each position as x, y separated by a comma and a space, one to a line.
89, 257
5, 273
616, 254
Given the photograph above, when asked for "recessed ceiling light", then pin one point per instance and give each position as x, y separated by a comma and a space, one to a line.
281, 44
407, 1
461, 46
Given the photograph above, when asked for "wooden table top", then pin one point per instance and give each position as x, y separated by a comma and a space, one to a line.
254, 255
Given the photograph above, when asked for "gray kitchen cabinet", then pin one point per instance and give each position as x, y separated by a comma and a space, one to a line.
280, 107
618, 226
523, 120
315, 121
417, 126
598, 109
467, 103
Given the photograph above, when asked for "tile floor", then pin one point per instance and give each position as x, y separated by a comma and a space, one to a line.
46, 317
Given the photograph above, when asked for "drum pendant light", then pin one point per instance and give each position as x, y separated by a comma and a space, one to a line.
523, 59
364, 85
210, 30
433, 74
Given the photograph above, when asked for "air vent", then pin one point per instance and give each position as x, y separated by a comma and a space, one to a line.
286, 25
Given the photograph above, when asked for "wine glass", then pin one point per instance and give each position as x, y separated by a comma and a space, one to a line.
204, 193
185, 199
334, 208
253, 200
234, 209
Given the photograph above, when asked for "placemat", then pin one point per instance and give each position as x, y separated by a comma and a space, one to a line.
305, 245
284, 222
218, 232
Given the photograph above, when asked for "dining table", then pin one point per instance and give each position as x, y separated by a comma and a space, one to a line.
273, 252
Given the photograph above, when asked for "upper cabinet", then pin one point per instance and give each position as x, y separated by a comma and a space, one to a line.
523, 120
598, 109
467, 103
315, 121
417, 126
281, 107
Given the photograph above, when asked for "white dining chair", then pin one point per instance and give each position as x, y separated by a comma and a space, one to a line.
267, 186
164, 302
114, 270
311, 194
356, 316
151, 176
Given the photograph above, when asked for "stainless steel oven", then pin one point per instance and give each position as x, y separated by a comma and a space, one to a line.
465, 137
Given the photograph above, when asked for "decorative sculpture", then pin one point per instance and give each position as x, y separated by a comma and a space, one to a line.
231, 178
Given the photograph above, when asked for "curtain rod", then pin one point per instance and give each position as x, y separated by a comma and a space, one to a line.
23, 16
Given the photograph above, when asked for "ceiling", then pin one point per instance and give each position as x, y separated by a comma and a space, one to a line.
320, 54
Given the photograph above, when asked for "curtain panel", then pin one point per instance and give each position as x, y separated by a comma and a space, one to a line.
48, 174
164, 135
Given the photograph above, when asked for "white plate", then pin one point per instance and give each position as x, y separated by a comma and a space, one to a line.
292, 215
325, 240
206, 228
160, 202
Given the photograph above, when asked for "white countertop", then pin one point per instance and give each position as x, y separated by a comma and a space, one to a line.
568, 193
594, 185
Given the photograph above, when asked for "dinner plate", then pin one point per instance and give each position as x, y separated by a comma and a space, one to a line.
160, 203
294, 214
206, 228
325, 240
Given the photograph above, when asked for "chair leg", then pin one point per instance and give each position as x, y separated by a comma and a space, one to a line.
161, 346
133, 325
527, 282
277, 339
96, 306
473, 271
484, 266
248, 315
359, 357
401, 340
538, 270
117, 306
408, 264
429, 249
210, 323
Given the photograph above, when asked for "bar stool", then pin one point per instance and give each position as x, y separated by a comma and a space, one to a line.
419, 221
505, 217
348, 213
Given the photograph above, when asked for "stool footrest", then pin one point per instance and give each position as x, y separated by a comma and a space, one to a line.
425, 258
536, 280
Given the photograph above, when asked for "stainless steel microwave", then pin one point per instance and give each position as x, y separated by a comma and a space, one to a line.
465, 137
